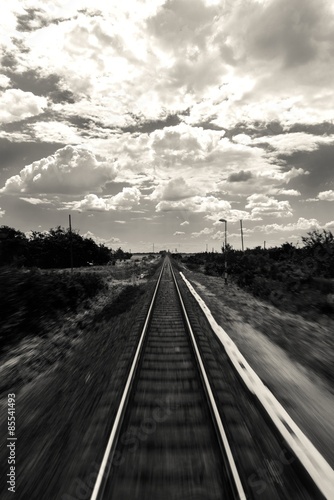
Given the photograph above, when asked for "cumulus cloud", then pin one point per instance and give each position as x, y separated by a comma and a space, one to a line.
289, 174
301, 225
36, 201
294, 141
101, 241
178, 233
326, 195
173, 190
52, 131
16, 105
241, 176
288, 192
184, 223
194, 204
124, 200
219, 235
203, 232
4, 81
70, 170
264, 205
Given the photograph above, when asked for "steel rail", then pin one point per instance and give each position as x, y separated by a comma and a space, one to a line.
212, 403
108, 454
221, 435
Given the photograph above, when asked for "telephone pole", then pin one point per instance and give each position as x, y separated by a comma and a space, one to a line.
242, 236
71, 245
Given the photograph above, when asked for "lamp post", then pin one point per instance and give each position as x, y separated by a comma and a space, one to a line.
225, 249
242, 236
71, 242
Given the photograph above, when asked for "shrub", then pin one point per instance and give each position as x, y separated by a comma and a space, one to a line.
29, 298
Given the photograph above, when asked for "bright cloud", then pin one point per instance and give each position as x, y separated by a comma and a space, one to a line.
101, 241
36, 201
70, 170
301, 225
124, 200
173, 190
194, 204
263, 205
326, 195
288, 192
16, 105
204, 232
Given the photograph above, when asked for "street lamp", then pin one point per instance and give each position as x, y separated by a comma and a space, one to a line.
225, 252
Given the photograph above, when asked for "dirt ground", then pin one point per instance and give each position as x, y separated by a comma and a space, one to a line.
67, 386
305, 393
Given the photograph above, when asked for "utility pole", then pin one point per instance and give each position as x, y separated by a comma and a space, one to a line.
264, 245
242, 236
71, 245
153, 247
225, 248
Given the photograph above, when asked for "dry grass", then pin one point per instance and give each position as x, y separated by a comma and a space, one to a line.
311, 343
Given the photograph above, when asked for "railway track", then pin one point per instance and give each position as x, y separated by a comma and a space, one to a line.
168, 440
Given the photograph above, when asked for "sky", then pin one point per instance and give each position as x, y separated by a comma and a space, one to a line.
148, 121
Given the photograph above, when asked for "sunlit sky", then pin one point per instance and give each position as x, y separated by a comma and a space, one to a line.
150, 120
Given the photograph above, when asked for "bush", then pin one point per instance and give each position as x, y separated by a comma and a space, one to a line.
29, 298
289, 277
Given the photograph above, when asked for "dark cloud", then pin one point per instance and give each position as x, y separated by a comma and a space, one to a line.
20, 45
151, 125
35, 19
31, 20
256, 129
241, 176
15, 155
20, 125
324, 128
291, 32
318, 163
180, 22
112, 188
33, 81
62, 96
81, 122
8, 61
207, 125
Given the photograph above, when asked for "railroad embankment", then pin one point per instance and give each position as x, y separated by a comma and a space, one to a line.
67, 385
292, 355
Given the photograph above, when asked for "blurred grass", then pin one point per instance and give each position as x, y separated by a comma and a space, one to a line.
31, 298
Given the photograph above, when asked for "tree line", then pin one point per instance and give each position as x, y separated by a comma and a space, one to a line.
53, 249
300, 278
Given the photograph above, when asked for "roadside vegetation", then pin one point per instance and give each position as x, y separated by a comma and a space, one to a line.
53, 249
38, 290
31, 299
298, 280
